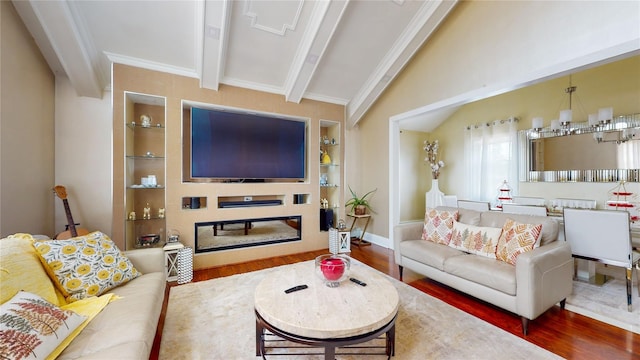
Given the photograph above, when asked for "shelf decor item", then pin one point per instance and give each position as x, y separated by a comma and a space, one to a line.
332, 268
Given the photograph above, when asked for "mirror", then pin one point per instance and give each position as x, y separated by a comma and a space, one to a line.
603, 152
234, 234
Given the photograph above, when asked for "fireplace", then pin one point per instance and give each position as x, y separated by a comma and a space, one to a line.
241, 233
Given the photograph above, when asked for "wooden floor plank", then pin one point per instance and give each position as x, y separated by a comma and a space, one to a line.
562, 332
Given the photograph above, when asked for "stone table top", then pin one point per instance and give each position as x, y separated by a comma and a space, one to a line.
322, 312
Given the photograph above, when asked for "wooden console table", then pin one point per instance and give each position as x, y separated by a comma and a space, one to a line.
359, 241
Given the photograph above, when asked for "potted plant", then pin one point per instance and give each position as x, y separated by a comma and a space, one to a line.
359, 204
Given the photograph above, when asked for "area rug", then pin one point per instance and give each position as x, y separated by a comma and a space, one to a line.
215, 319
607, 302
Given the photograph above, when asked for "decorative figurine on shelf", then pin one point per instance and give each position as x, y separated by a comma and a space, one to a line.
324, 203
325, 158
146, 212
145, 120
325, 140
161, 213
132, 215
324, 181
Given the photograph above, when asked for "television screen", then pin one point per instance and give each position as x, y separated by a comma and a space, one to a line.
234, 145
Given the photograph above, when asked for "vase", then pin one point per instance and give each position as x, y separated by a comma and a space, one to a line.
434, 197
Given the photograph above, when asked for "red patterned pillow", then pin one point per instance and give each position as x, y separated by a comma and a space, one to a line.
516, 239
438, 225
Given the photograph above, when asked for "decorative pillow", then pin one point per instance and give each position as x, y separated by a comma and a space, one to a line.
475, 239
87, 265
32, 328
21, 269
516, 239
438, 225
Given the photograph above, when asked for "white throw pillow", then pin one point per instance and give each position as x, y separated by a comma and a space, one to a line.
479, 240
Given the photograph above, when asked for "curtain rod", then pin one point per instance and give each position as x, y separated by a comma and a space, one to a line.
493, 123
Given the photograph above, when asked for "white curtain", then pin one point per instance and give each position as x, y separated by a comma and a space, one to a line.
629, 155
490, 157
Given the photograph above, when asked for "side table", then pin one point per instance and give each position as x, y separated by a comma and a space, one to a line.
171, 251
358, 241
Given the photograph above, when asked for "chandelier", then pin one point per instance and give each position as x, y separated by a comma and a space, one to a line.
604, 126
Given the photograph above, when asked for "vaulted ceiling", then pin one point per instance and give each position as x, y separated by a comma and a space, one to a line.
338, 51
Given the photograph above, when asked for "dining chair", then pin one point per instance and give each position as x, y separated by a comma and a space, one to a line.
603, 236
474, 205
527, 200
524, 209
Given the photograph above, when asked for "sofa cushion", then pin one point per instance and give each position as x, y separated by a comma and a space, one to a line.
86, 265
479, 240
34, 327
516, 239
438, 225
21, 269
492, 273
498, 218
428, 253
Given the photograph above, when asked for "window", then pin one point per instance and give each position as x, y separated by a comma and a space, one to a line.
490, 155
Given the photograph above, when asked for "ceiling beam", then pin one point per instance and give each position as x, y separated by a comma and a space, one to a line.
324, 20
60, 39
214, 40
417, 32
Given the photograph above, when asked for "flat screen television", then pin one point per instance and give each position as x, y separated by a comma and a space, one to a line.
232, 145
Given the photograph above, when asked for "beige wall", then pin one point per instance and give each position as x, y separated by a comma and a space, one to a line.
83, 157
477, 52
26, 131
177, 88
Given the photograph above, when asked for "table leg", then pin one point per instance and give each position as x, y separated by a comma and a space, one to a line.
329, 353
391, 341
259, 338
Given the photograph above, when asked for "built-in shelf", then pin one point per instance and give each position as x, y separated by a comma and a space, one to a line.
144, 150
194, 202
301, 199
134, 125
330, 174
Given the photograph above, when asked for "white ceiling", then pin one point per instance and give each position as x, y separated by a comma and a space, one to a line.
338, 51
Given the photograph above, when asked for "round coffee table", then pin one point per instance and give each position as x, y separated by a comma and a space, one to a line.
320, 316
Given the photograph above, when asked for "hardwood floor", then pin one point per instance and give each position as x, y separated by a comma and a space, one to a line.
562, 332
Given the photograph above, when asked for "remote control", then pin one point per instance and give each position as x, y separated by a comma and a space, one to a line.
296, 288
358, 282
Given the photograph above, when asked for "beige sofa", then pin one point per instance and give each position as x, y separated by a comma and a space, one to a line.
124, 329
540, 279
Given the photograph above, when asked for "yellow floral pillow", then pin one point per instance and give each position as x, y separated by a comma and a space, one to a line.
87, 265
